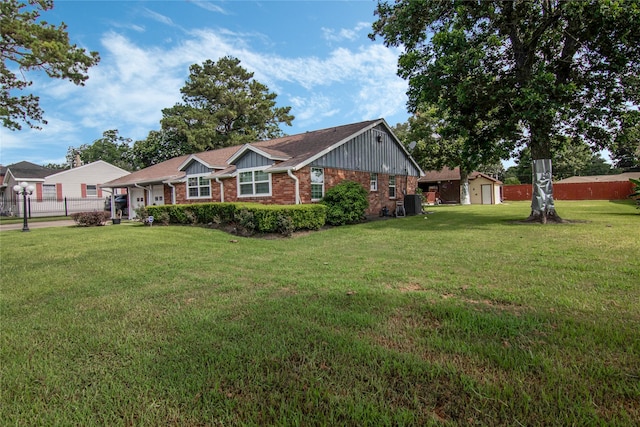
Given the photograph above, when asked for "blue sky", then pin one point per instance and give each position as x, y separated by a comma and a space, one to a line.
314, 54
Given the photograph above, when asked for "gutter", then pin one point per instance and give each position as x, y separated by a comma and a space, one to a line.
221, 189
297, 181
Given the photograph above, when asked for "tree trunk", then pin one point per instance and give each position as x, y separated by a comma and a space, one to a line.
542, 207
465, 197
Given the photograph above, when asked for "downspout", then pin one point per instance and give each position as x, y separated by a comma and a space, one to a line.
173, 192
297, 181
221, 189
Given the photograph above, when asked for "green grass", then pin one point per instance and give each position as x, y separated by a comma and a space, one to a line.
19, 220
456, 317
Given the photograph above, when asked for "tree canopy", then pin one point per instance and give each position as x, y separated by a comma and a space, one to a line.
158, 147
28, 44
111, 148
223, 105
508, 74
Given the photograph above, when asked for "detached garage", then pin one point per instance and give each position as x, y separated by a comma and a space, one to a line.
445, 184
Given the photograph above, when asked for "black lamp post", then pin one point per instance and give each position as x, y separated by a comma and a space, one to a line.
24, 190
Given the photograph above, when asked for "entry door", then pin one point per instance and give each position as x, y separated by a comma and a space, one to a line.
486, 194
137, 200
157, 195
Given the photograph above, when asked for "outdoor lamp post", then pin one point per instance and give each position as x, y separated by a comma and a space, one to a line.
24, 190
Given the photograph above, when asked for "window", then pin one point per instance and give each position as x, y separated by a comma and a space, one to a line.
198, 187
317, 183
392, 186
92, 190
373, 182
254, 183
49, 191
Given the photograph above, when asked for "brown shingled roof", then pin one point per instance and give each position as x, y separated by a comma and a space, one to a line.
445, 174
601, 178
297, 149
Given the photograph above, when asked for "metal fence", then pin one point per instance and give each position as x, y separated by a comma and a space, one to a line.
52, 207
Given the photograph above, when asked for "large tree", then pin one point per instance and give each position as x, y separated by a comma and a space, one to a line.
111, 148
535, 69
223, 105
437, 140
28, 44
158, 147
626, 147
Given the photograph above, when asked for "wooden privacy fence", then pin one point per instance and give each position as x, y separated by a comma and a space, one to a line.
573, 191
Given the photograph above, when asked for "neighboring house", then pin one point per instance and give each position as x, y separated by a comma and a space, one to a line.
51, 185
623, 177
80, 182
483, 189
288, 170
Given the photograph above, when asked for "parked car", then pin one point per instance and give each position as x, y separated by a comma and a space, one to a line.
121, 202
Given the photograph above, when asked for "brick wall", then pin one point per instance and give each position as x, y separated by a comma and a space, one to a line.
283, 190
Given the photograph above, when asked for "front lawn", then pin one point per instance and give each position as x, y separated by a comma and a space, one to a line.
461, 316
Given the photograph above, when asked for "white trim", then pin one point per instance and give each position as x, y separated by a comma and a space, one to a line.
253, 182
395, 187
311, 159
197, 159
66, 171
86, 188
373, 183
248, 147
198, 176
316, 183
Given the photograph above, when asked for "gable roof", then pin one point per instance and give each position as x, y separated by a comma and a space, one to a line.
28, 171
294, 151
88, 165
445, 174
448, 174
601, 178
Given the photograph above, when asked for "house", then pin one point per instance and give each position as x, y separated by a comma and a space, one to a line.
483, 189
53, 187
292, 169
622, 177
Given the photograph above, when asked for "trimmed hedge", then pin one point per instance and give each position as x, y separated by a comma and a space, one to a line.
254, 217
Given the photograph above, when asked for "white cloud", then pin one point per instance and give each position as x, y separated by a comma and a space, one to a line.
159, 17
211, 7
312, 108
133, 83
342, 34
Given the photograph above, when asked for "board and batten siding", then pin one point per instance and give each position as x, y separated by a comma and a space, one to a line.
252, 159
197, 168
368, 153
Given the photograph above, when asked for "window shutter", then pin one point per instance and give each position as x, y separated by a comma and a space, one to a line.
83, 190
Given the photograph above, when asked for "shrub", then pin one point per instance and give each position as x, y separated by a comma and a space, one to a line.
512, 180
245, 222
91, 219
346, 203
285, 225
249, 217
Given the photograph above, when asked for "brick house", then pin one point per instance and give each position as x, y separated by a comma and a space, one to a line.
292, 169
